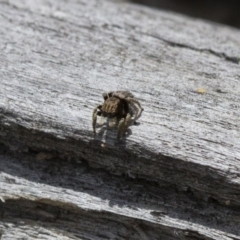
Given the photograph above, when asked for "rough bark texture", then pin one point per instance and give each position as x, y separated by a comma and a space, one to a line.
175, 175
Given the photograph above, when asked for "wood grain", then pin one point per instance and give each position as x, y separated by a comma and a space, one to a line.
59, 198
58, 57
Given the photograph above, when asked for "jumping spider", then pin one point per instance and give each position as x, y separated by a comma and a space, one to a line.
117, 105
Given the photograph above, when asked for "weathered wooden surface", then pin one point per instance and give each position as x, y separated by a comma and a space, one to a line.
56, 60
81, 202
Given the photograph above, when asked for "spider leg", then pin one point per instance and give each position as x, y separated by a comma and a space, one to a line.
101, 122
136, 109
94, 117
120, 127
127, 123
138, 115
139, 112
123, 125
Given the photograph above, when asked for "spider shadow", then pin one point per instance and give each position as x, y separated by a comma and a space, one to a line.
108, 135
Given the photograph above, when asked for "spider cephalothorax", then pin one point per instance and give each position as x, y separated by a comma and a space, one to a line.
117, 105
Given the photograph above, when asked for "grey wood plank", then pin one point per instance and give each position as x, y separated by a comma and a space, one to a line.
53, 198
57, 58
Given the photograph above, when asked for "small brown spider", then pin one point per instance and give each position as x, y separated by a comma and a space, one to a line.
117, 105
